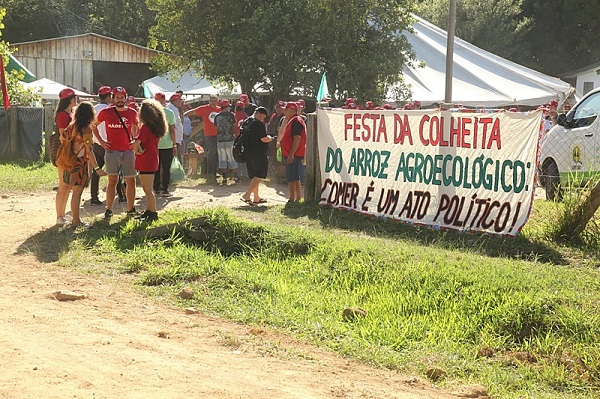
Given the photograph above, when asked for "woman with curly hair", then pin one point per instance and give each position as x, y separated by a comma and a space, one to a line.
154, 126
76, 177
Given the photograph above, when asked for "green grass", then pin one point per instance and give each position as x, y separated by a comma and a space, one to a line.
24, 177
520, 316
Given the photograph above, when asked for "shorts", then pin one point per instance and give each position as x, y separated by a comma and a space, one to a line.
225, 151
120, 161
258, 167
295, 171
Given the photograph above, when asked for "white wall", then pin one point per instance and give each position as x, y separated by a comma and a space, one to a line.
590, 76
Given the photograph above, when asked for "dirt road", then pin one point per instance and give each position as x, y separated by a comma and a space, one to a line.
119, 344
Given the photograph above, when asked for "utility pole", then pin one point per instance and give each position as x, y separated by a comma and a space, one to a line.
450, 51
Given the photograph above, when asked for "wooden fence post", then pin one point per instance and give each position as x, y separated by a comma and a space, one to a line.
312, 186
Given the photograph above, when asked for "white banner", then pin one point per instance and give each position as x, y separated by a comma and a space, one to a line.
449, 170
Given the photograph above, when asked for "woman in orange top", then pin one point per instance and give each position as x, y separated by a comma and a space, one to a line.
76, 178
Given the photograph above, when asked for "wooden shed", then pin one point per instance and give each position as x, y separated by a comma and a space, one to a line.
88, 61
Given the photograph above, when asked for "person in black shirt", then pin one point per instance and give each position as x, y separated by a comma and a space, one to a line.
257, 144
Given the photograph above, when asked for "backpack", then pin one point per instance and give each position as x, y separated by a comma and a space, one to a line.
65, 157
240, 144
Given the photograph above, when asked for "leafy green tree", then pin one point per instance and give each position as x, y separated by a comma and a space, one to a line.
564, 35
17, 93
127, 20
284, 46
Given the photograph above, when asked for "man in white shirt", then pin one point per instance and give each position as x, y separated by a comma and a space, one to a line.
175, 104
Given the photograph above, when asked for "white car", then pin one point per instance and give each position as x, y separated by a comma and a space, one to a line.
570, 151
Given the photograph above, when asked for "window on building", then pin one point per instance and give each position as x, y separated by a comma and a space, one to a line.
587, 87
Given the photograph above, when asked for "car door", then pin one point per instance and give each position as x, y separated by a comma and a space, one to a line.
582, 126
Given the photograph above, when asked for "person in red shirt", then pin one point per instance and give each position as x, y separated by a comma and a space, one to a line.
121, 128
293, 150
145, 146
207, 113
62, 118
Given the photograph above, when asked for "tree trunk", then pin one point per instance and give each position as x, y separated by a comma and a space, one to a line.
583, 214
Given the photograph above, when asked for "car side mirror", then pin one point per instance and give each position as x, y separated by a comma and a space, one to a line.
561, 120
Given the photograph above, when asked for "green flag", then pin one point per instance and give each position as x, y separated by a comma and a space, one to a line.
323, 94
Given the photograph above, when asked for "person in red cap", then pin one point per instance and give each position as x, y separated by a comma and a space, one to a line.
62, 118
207, 113
119, 158
551, 118
167, 149
105, 99
225, 122
388, 106
369, 105
293, 150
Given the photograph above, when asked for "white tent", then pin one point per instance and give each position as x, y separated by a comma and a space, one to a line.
191, 85
480, 78
49, 89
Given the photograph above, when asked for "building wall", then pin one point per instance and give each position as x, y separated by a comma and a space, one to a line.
70, 60
591, 78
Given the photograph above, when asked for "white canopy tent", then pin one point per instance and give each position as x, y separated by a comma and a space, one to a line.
480, 77
191, 85
49, 89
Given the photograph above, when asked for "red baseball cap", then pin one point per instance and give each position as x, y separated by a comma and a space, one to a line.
131, 99
244, 98
160, 96
351, 106
553, 103
369, 105
119, 90
175, 97
387, 106
225, 103
104, 90
280, 103
513, 109
66, 93
291, 105
417, 103
350, 100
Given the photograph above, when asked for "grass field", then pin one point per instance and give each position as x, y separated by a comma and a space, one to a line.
520, 316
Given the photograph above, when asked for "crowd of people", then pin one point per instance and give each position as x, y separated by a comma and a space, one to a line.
123, 140
130, 140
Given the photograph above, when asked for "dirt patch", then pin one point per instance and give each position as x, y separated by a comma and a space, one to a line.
118, 344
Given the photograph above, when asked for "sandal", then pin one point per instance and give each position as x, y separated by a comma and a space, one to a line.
247, 201
260, 201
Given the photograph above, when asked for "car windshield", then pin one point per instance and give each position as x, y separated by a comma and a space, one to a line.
588, 107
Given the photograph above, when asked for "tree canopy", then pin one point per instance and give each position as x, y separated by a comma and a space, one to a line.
285, 46
29, 20
552, 37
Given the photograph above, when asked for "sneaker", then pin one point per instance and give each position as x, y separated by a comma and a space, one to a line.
132, 212
95, 201
61, 221
142, 215
108, 214
165, 193
150, 217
